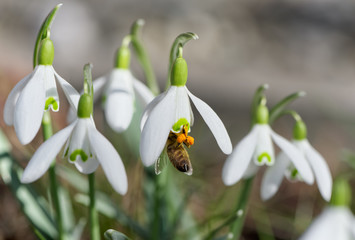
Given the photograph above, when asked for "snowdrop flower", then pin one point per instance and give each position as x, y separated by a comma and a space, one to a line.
120, 89
256, 149
284, 167
171, 111
336, 221
36, 93
85, 147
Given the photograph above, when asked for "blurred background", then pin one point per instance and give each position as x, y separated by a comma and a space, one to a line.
291, 45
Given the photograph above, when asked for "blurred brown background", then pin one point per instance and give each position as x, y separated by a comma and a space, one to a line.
291, 45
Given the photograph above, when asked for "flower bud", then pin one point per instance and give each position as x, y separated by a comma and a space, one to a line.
179, 72
85, 106
299, 130
123, 58
46, 52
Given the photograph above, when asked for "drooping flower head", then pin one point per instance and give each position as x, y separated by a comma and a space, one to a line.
36, 93
284, 167
336, 221
119, 90
256, 149
171, 112
84, 146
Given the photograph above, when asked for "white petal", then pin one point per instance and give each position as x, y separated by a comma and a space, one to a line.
273, 177
320, 169
99, 86
264, 151
79, 140
214, 123
11, 100
157, 127
183, 107
237, 163
71, 93
50, 88
87, 167
150, 107
45, 155
143, 93
30, 107
332, 224
251, 170
109, 159
119, 106
295, 156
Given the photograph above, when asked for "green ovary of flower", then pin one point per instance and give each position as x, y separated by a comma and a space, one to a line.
181, 122
264, 155
77, 152
53, 102
179, 72
262, 115
46, 52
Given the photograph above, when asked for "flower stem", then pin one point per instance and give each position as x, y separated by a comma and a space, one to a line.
241, 209
47, 133
143, 57
94, 220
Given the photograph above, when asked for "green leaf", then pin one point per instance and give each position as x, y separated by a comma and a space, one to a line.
106, 207
44, 31
34, 206
180, 41
277, 110
74, 178
66, 211
78, 229
115, 235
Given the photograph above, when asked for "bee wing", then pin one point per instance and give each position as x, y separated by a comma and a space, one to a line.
161, 162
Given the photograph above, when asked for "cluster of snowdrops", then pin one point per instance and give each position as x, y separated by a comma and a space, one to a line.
166, 132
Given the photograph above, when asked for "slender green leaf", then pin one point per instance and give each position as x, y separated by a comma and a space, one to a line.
105, 206
33, 205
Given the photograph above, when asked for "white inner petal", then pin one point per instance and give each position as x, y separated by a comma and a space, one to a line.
79, 147
264, 152
183, 106
52, 99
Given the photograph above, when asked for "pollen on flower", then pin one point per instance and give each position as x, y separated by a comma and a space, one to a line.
190, 140
181, 138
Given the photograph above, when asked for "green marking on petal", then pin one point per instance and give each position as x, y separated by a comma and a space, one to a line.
264, 155
181, 122
103, 98
77, 152
66, 152
53, 102
294, 173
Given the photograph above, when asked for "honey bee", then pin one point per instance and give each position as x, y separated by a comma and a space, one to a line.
176, 152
